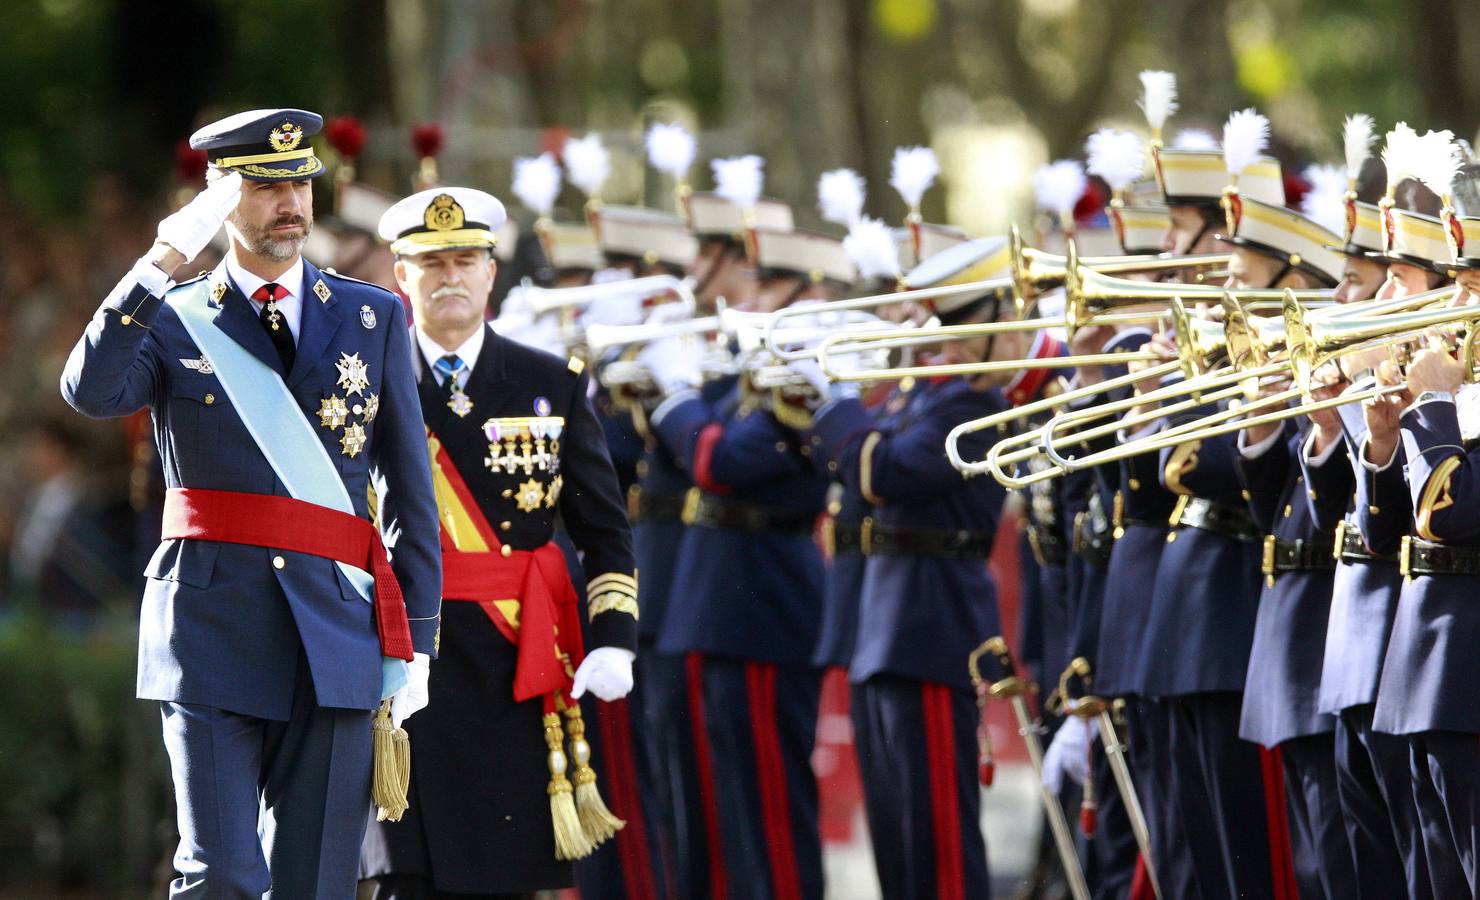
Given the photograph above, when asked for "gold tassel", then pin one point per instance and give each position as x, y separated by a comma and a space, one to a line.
570, 840
392, 779
597, 820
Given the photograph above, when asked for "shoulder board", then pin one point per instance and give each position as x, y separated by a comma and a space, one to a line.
342, 277
575, 366
188, 281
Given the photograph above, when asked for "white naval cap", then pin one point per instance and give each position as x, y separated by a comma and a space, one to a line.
442, 218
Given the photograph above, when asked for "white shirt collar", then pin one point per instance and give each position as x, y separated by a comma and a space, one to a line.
292, 280
468, 352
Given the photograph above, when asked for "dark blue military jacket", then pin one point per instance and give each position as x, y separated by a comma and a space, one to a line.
1364, 593
1282, 690
920, 617
221, 625
1432, 667
753, 595
1206, 591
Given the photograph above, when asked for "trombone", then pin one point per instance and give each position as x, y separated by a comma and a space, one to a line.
1033, 272
1243, 338
540, 301
1036, 271
1310, 346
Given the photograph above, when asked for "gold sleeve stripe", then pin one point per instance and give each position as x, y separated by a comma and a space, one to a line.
613, 601
1183, 459
612, 581
866, 468
1435, 496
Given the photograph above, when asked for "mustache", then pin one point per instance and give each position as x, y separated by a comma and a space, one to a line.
289, 220
450, 290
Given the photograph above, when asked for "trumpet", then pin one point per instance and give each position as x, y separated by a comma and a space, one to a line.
1311, 344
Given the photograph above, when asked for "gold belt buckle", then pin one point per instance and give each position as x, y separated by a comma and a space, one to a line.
1270, 546
690, 505
1405, 556
866, 536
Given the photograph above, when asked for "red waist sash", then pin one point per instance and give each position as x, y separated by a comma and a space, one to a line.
262, 520
548, 632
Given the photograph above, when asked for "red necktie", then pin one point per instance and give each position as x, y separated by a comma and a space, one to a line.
275, 323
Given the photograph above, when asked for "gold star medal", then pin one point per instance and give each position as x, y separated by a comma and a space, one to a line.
353, 440
333, 412
354, 375
531, 495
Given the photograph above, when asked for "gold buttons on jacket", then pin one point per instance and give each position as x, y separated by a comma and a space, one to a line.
210, 398
506, 525
278, 562
506, 550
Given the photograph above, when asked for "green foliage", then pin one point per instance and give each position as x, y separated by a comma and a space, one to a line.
87, 799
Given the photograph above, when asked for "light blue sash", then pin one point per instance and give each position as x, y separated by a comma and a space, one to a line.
281, 432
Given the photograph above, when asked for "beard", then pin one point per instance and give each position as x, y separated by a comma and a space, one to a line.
260, 240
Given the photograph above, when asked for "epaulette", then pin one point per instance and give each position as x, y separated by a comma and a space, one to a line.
575, 366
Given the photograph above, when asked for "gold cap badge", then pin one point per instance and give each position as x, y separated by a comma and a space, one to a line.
444, 214
285, 137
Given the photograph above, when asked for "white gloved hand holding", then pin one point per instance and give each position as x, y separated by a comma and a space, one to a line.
674, 363
607, 672
192, 226
413, 696
1067, 755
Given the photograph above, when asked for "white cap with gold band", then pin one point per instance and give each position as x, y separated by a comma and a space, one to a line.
442, 218
816, 257
645, 234
1289, 236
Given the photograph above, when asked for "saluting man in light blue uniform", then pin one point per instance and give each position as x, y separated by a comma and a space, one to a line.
275, 616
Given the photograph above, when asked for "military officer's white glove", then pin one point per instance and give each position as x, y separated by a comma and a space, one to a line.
1067, 754
192, 226
674, 363
412, 696
607, 672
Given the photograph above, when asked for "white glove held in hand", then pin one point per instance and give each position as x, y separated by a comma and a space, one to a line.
1067, 755
607, 672
191, 227
413, 694
674, 363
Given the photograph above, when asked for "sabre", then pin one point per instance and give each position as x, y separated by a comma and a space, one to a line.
1013, 687
1089, 706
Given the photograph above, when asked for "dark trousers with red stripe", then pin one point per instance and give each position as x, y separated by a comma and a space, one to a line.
1320, 852
761, 719
917, 754
675, 716
1378, 810
632, 865
1148, 740
1445, 768
1236, 832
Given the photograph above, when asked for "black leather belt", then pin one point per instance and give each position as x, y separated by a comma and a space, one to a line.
709, 511
878, 540
645, 507
1093, 535
1351, 548
1197, 512
1299, 555
1048, 547
1420, 557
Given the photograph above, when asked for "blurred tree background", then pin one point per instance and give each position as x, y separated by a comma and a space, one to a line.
110, 86
100, 93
